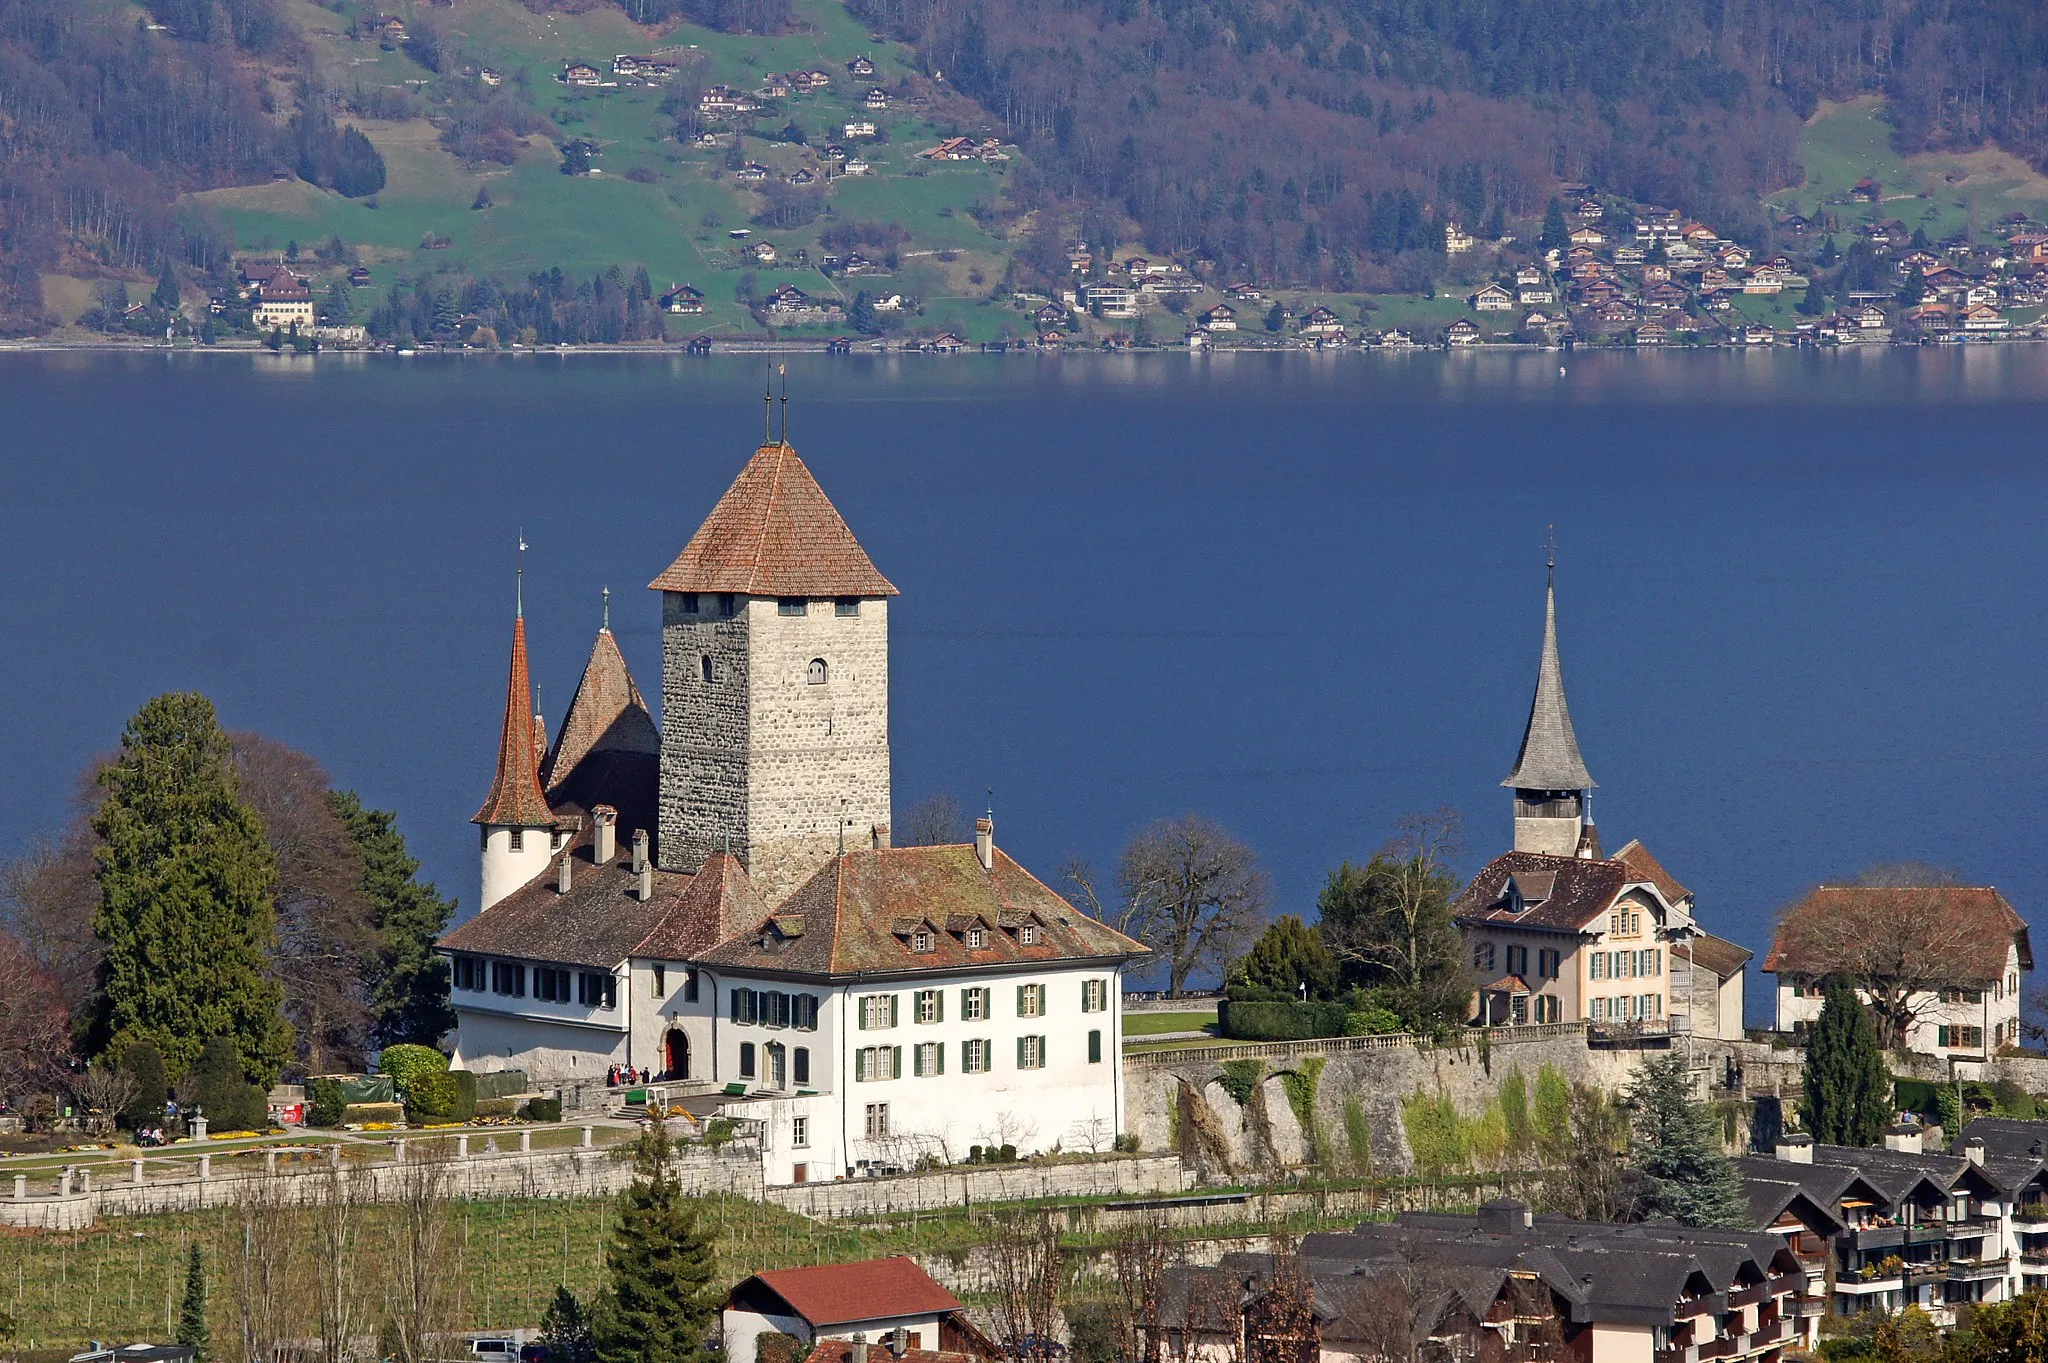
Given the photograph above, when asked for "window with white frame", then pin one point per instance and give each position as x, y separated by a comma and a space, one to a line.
872, 1064
974, 1005
1094, 996
1030, 1000
877, 1011
1518, 960
976, 1056
927, 1006
800, 1132
922, 940
803, 1012
1596, 965
1030, 1052
1547, 963
1028, 935
1596, 1010
1482, 956
928, 1059
977, 938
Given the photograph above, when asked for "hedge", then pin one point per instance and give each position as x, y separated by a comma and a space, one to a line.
497, 1107
501, 1084
441, 1096
363, 1114
1244, 1020
328, 1102
406, 1062
543, 1109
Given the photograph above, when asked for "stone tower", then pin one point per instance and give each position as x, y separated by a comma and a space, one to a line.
774, 683
1550, 779
518, 826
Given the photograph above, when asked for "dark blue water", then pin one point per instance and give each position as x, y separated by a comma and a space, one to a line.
1801, 594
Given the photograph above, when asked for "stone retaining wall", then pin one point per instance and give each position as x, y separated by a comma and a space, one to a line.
1142, 1176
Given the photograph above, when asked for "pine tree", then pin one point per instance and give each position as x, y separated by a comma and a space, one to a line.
565, 1330
1556, 236
1848, 1093
186, 882
659, 1270
166, 296
1676, 1148
192, 1331
1287, 956
410, 1000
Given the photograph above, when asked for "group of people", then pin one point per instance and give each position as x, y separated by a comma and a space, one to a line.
624, 1074
151, 1136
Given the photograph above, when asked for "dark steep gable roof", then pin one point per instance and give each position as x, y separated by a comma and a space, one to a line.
1549, 758
1580, 890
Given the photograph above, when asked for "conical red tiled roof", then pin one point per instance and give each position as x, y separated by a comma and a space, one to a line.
515, 797
774, 533
607, 715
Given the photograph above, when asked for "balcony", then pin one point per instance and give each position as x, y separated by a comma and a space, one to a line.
1977, 1270
1933, 1271
2030, 1216
1863, 1287
1972, 1228
1878, 1237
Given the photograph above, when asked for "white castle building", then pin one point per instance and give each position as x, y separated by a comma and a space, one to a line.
715, 899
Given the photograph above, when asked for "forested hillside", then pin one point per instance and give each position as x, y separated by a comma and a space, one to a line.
1283, 137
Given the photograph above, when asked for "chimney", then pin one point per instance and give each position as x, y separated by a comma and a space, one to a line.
1795, 1148
607, 838
1504, 1216
879, 834
985, 842
562, 872
646, 887
1905, 1136
1973, 1150
639, 850
858, 1353
899, 1340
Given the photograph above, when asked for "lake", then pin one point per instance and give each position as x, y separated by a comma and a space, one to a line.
1801, 593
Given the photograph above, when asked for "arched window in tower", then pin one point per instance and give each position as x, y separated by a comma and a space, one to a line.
815, 673
708, 670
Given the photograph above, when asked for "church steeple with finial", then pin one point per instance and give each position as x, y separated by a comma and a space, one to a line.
517, 823
1550, 779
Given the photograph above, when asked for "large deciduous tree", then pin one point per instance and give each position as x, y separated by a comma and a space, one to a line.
1188, 889
186, 913
34, 1025
1675, 1147
1848, 1094
1389, 925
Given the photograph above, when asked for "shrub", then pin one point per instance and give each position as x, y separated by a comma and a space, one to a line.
543, 1110
218, 1086
327, 1102
143, 1064
431, 1097
718, 1131
497, 1107
1372, 1021
1127, 1144
1248, 1020
405, 1061
1240, 1077
365, 1114
464, 1108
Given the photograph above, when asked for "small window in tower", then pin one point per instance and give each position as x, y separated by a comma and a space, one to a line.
791, 605
710, 673
846, 605
519, 840
725, 603
689, 603
815, 673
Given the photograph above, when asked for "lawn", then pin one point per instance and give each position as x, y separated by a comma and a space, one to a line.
1157, 1024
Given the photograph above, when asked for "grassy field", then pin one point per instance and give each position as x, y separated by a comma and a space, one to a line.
1848, 142
1156, 1024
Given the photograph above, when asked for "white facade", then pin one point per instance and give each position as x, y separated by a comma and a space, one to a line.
742, 1331
1971, 1023
512, 857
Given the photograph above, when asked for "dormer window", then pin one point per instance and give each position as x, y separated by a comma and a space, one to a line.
1028, 935
976, 939
921, 940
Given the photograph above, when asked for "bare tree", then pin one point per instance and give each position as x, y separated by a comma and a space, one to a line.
1280, 1322
1588, 1178
419, 1298
326, 939
337, 1244
935, 821
1901, 934
1138, 1259
1188, 889
1030, 1272
267, 1278
34, 1023
48, 896
102, 1090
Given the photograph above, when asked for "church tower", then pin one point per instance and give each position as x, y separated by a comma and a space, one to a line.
1550, 779
518, 826
774, 683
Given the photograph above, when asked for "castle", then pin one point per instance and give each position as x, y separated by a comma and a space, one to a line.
715, 899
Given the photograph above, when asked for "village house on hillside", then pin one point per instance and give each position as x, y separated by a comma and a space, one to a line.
890, 1301
1558, 931
717, 899
1968, 948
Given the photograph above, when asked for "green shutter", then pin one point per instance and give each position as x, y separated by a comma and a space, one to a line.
1020, 1052
1095, 1048
1041, 1052
860, 1066
938, 1059
892, 1010
1020, 999
895, 1062
861, 1010
938, 1005
917, 1062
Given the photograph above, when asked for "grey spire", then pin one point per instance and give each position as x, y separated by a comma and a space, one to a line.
1550, 759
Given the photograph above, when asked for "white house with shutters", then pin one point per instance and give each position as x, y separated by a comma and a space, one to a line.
717, 902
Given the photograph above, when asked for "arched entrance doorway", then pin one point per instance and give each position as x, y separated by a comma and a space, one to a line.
675, 1049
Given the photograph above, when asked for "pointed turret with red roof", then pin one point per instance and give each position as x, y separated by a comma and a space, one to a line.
515, 804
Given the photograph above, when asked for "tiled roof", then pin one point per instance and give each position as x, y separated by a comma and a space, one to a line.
1717, 954
719, 902
1549, 759
861, 911
1638, 859
871, 1289
515, 796
1978, 924
1581, 889
606, 715
774, 533
2008, 1137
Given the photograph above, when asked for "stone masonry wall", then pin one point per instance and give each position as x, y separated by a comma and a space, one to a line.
818, 752
703, 733
1149, 1175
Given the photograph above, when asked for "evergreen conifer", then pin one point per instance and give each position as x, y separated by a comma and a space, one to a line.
1848, 1093
565, 1330
1675, 1147
410, 999
659, 1302
1287, 956
1556, 236
186, 908
192, 1331
143, 1063
166, 296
